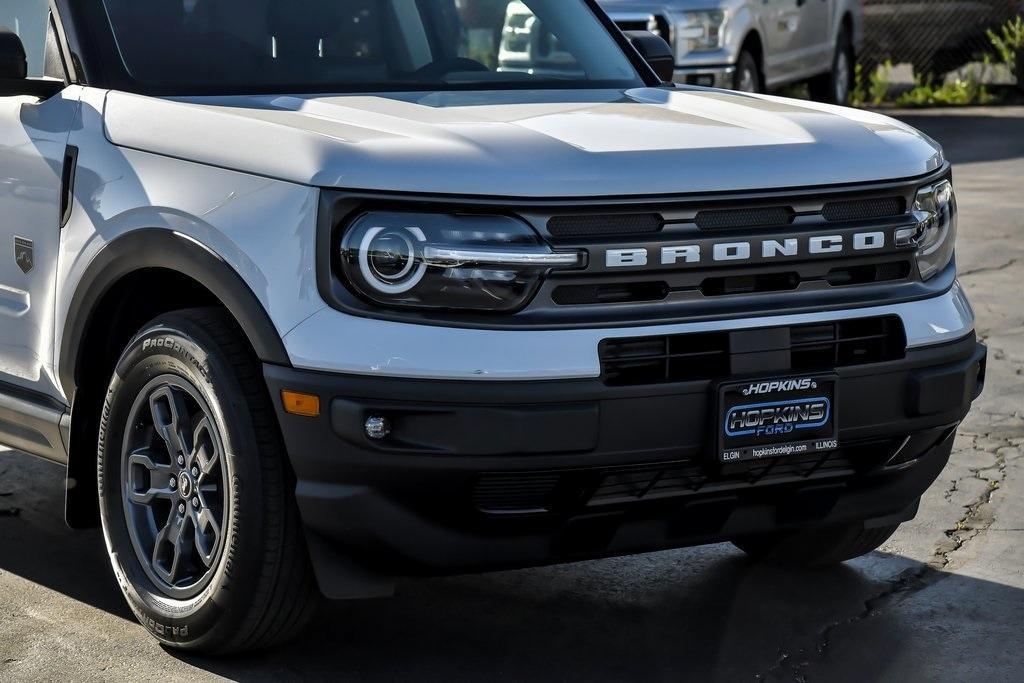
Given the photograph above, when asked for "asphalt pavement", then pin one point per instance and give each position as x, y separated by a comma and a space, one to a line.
944, 599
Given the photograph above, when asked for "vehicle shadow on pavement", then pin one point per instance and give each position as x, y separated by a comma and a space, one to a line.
36, 545
702, 613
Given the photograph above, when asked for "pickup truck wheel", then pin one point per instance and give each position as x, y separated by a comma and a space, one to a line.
835, 86
195, 494
816, 547
748, 76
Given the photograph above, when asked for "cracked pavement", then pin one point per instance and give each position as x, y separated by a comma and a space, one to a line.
944, 598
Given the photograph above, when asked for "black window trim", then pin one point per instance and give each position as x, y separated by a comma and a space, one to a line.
64, 51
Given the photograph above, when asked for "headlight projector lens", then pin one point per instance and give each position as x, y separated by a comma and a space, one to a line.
453, 261
387, 259
390, 256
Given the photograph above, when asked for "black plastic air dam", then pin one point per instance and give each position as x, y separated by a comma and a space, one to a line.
406, 504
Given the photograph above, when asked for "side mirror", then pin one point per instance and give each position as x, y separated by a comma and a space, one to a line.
655, 51
14, 78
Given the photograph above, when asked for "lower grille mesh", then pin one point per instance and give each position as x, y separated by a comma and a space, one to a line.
723, 219
520, 492
627, 292
608, 224
709, 355
563, 490
863, 209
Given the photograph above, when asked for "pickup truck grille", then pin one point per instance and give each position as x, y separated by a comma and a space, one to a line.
719, 355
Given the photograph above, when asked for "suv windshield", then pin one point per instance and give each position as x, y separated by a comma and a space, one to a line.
338, 45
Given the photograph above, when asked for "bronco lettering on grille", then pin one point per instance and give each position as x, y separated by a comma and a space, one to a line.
739, 251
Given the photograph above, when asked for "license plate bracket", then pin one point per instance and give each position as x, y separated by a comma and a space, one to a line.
777, 417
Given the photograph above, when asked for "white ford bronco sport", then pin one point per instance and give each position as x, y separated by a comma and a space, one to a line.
307, 296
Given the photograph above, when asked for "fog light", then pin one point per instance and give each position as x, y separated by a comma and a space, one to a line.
377, 427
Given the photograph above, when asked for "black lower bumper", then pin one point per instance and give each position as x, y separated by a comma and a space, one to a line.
479, 475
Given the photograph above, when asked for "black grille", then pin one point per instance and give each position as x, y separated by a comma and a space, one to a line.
678, 358
750, 284
724, 219
727, 285
504, 493
579, 295
608, 224
516, 491
682, 478
710, 355
846, 343
863, 209
869, 273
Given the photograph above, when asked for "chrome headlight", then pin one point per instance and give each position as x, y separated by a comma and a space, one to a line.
699, 31
467, 262
935, 233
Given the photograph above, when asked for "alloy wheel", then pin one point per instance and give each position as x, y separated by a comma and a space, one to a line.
174, 486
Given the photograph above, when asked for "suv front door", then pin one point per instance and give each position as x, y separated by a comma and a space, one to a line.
33, 146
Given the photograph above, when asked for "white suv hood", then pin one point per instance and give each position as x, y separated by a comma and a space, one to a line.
646, 141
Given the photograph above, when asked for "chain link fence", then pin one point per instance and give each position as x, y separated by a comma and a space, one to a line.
935, 36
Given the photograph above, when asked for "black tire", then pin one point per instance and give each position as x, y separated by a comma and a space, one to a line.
836, 86
255, 587
820, 547
748, 75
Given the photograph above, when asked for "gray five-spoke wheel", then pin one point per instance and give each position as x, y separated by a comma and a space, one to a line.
174, 486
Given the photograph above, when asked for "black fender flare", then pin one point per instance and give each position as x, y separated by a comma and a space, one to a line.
136, 251
167, 249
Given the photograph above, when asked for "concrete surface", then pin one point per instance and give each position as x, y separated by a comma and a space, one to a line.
943, 600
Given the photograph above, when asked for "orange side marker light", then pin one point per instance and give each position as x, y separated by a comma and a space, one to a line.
304, 405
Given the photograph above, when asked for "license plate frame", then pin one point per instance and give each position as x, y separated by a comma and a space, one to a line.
778, 417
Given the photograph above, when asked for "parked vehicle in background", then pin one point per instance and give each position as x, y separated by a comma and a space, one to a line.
754, 45
936, 36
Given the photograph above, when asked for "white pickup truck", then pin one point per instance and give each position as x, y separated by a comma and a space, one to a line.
755, 45
307, 300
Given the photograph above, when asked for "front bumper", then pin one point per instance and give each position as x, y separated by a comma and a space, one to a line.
712, 76
384, 348
479, 475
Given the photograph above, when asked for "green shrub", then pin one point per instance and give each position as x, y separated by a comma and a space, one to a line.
872, 89
956, 93
1009, 41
